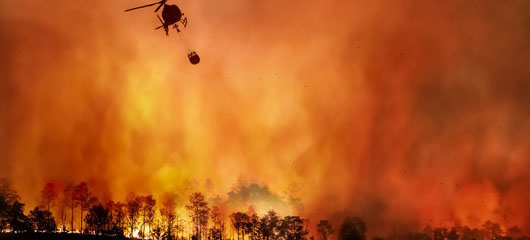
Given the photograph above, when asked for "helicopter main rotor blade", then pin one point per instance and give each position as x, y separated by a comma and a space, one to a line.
156, 10
148, 5
160, 19
161, 4
160, 22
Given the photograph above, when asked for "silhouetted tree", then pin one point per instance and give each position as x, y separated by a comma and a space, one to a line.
7, 192
352, 229
472, 234
12, 210
4, 206
98, 219
492, 229
203, 222
168, 214
48, 195
133, 212
418, 236
253, 223
61, 211
216, 232
68, 193
8, 197
179, 226
199, 212
240, 223
156, 231
439, 233
292, 228
42, 220
453, 234
216, 216
324, 229
18, 222
268, 226
148, 204
141, 219
82, 196
514, 233
118, 217
444, 233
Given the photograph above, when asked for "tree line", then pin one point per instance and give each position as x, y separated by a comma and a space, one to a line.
141, 217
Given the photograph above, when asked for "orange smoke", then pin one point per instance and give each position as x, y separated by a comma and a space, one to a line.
403, 113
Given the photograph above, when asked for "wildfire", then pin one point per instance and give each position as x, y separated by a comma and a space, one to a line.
405, 114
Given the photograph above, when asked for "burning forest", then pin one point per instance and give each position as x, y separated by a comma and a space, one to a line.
140, 217
388, 119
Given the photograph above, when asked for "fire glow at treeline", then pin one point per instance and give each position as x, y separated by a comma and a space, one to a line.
141, 217
405, 113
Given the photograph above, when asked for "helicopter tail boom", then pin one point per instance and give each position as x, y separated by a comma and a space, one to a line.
163, 25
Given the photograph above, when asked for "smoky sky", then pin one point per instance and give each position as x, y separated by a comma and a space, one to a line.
404, 113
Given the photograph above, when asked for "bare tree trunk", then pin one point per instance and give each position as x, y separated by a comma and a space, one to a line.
72, 229
47, 219
81, 229
143, 224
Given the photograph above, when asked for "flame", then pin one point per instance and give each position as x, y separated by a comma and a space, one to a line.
404, 113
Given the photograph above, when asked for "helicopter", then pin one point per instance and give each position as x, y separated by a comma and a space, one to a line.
171, 15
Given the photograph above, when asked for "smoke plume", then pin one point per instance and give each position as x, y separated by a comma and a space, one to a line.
405, 113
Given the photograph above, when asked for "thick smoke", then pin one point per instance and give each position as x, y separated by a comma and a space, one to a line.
405, 113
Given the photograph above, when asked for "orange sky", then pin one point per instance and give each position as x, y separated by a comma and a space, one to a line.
405, 113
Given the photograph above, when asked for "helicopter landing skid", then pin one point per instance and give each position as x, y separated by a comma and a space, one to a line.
175, 26
184, 21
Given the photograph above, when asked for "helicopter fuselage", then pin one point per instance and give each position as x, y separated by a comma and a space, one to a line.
171, 14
